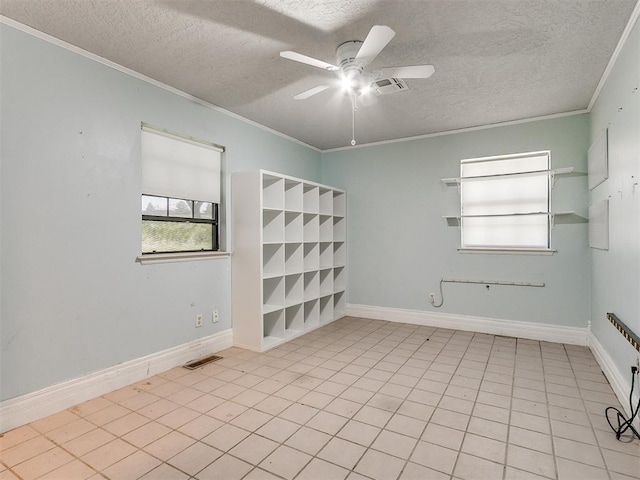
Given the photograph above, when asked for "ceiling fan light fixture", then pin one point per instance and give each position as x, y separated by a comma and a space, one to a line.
365, 90
348, 83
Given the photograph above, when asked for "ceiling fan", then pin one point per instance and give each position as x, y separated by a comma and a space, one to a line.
353, 58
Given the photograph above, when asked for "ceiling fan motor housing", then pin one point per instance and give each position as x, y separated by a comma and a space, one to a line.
346, 58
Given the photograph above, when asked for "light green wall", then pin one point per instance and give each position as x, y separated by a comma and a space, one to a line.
615, 274
399, 246
74, 300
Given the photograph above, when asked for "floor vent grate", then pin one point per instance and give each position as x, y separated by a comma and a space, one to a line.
201, 362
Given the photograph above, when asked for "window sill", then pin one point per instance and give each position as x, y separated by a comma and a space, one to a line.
509, 251
179, 257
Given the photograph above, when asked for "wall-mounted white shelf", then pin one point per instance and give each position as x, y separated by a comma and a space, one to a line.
554, 172
557, 218
289, 262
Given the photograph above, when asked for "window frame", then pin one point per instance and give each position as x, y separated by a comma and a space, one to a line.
501, 248
214, 222
177, 172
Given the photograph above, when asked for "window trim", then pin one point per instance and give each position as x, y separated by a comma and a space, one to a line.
508, 251
154, 258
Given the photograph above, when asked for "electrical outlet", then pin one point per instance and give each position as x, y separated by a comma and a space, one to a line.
432, 298
198, 320
215, 318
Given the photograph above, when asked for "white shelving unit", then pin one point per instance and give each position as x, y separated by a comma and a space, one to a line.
289, 257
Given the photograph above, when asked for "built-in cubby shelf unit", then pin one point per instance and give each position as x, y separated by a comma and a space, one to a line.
289, 257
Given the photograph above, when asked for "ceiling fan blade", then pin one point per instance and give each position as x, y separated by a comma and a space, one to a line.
311, 92
298, 57
378, 38
414, 71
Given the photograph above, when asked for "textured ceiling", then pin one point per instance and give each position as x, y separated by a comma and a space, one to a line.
495, 61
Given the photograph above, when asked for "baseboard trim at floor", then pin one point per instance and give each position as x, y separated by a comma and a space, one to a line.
35, 405
621, 387
510, 328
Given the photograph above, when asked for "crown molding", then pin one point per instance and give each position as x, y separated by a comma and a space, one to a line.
72, 48
616, 53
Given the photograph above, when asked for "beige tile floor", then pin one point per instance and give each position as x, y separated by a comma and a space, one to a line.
357, 399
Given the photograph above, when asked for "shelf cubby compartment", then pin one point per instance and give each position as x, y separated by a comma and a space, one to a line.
272, 226
272, 328
311, 285
326, 228
272, 294
311, 201
339, 229
272, 192
326, 255
293, 258
325, 201
339, 279
272, 259
293, 195
311, 227
339, 254
293, 227
293, 289
339, 204
326, 309
311, 313
294, 320
339, 304
326, 282
311, 256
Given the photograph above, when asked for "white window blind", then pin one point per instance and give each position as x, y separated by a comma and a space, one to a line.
177, 167
505, 202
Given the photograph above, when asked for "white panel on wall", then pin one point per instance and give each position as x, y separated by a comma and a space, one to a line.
597, 161
599, 225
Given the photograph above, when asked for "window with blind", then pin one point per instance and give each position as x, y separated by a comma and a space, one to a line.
180, 193
505, 202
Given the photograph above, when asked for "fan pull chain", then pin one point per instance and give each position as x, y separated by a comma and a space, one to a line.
353, 120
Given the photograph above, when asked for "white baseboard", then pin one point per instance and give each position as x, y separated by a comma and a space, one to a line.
511, 328
616, 379
32, 406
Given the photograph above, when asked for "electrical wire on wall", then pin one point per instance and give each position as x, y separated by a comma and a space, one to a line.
624, 424
487, 283
432, 300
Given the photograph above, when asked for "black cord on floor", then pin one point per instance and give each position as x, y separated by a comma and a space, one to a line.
623, 423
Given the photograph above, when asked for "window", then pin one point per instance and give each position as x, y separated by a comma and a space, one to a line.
505, 202
180, 193
177, 225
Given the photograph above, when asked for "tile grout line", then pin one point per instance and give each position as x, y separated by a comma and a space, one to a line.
406, 461
582, 401
513, 382
393, 413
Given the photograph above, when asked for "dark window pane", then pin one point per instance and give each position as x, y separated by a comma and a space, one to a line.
158, 236
203, 210
154, 205
180, 208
